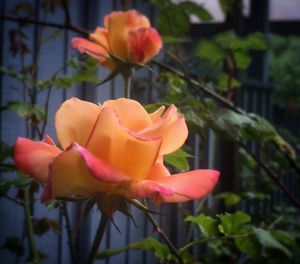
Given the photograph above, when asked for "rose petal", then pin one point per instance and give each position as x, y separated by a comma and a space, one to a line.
118, 24
155, 116
74, 121
132, 114
145, 188
158, 169
190, 185
34, 157
100, 36
69, 176
90, 48
172, 128
144, 43
100, 168
111, 141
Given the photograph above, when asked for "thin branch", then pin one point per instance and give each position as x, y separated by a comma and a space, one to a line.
275, 177
7, 166
204, 240
69, 231
164, 236
47, 24
208, 92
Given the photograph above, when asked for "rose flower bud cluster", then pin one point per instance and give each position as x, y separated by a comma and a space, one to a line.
126, 35
116, 148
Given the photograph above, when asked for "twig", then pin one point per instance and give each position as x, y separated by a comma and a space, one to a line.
47, 24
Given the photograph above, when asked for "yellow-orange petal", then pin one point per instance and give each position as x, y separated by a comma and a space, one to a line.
74, 121
118, 24
190, 185
113, 142
144, 44
100, 36
69, 177
34, 157
158, 170
132, 114
172, 128
155, 116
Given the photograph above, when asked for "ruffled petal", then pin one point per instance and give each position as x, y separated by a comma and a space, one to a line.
144, 44
172, 128
123, 149
70, 177
190, 185
100, 168
74, 121
34, 157
132, 114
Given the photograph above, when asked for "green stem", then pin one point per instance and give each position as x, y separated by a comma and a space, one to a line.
98, 237
28, 218
127, 79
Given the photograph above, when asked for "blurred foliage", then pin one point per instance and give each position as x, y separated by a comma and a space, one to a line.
284, 67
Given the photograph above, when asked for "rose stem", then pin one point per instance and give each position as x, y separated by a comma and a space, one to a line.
127, 86
28, 217
98, 237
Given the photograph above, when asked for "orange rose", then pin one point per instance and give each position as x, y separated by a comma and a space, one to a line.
115, 148
126, 35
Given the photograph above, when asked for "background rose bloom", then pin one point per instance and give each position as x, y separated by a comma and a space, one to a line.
116, 148
127, 35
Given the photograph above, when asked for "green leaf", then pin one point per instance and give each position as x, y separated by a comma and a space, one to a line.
232, 224
285, 238
242, 59
210, 51
173, 21
267, 240
230, 198
43, 225
6, 151
178, 159
20, 182
197, 10
207, 225
248, 245
223, 82
27, 111
14, 244
161, 251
